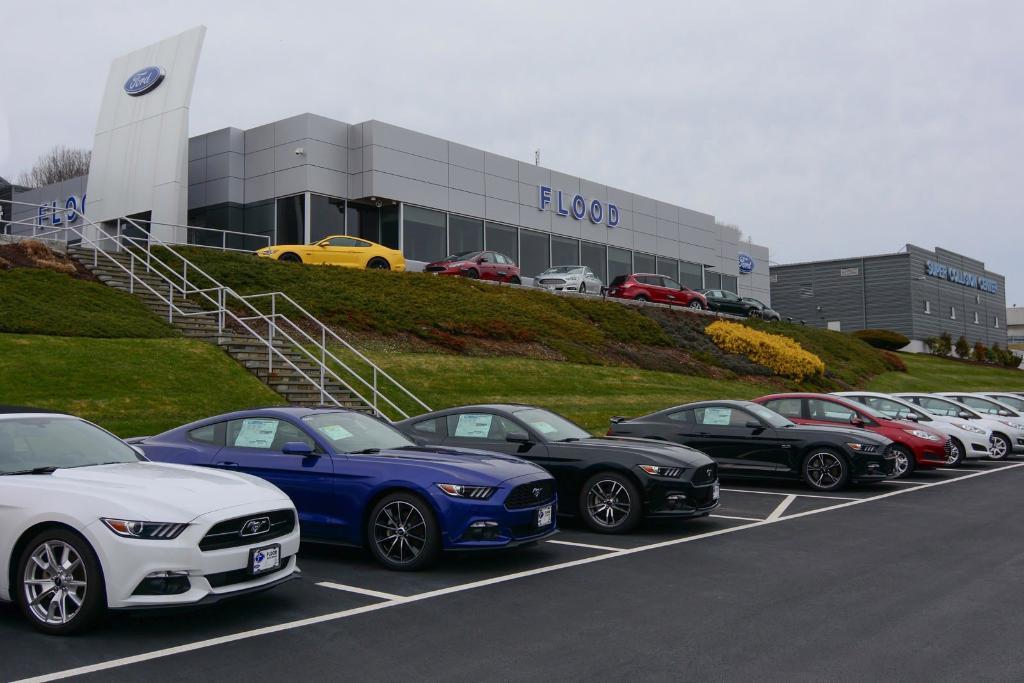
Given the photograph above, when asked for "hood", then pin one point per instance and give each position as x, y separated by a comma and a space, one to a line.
459, 465
652, 451
150, 491
860, 434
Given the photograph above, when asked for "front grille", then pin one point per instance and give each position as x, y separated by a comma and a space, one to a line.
703, 499
705, 474
435, 269
551, 281
234, 576
528, 495
228, 534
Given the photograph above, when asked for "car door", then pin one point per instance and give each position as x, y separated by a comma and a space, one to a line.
489, 432
486, 266
503, 267
730, 303
714, 298
727, 434
254, 445
824, 412
673, 292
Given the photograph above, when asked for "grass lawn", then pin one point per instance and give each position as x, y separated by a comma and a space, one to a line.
928, 373
588, 394
132, 387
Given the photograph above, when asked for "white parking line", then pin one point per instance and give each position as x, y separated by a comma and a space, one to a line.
781, 507
361, 591
904, 482
334, 616
800, 495
586, 545
742, 519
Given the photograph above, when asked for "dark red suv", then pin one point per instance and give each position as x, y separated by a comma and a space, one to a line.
660, 289
482, 265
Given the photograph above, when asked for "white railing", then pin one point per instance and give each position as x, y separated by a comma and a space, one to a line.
221, 303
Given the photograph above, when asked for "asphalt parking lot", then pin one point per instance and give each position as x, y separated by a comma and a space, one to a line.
899, 580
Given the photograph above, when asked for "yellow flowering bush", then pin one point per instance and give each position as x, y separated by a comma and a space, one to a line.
780, 354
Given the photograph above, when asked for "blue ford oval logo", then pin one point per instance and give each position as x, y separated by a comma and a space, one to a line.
144, 80
746, 263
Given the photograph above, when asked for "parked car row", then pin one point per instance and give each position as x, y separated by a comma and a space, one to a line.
216, 508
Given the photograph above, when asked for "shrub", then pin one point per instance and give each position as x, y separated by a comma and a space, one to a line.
781, 354
883, 339
980, 352
941, 345
963, 347
893, 362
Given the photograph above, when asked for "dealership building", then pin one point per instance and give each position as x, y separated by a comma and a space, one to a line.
918, 292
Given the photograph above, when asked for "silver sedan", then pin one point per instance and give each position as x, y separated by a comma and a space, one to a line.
569, 279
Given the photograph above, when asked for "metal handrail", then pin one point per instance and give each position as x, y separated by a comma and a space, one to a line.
224, 233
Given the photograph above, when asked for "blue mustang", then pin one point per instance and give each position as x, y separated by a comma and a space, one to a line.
357, 480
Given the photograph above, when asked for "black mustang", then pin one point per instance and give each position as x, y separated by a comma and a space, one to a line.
747, 439
612, 483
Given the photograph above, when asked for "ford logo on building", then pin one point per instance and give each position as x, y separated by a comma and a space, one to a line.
746, 263
144, 80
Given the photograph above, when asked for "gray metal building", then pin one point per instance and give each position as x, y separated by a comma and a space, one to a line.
916, 292
304, 177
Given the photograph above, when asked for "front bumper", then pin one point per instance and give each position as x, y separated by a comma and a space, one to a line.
211, 575
866, 467
664, 497
469, 524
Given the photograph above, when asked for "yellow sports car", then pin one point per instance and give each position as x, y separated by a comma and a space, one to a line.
339, 250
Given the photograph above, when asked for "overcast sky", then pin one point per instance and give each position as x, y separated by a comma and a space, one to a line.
823, 129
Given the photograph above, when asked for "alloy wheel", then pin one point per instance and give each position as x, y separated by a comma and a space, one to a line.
696, 305
902, 464
999, 448
400, 532
608, 503
55, 583
825, 470
954, 453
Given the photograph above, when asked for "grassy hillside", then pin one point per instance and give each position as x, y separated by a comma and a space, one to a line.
130, 386
928, 373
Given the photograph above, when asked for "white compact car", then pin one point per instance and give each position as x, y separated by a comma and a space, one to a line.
569, 279
994, 410
1002, 434
1015, 401
966, 439
87, 524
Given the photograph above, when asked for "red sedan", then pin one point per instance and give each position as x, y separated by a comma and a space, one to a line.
659, 289
916, 446
478, 265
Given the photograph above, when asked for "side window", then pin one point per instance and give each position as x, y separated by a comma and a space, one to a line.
208, 434
685, 416
670, 283
487, 257
979, 405
828, 411
937, 407
887, 407
787, 407
264, 433
346, 242
483, 426
436, 427
721, 416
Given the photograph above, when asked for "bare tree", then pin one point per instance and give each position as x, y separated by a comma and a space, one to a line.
59, 164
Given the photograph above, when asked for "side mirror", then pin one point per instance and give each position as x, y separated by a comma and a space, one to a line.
518, 437
483, 259
910, 417
754, 424
856, 421
1004, 413
963, 415
138, 449
322, 245
297, 448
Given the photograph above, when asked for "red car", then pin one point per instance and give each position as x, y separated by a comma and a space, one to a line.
482, 265
916, 446
657, 288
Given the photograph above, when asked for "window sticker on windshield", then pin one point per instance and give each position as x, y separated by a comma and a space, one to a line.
543, 427
474, 426
335, 432
256, 433
717, 416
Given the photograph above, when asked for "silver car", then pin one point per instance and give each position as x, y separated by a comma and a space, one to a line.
569, 279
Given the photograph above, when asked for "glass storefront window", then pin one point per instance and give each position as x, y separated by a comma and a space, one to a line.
593, 256
424, 238
690, 275
503, 239
668, 267
389, 226
620, 262
564, 251
644, 263
291, 220
326, 217
712, 280
464, 234
533, 252
729, 282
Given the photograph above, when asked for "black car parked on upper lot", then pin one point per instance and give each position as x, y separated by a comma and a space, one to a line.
747, 439
611, 483
764, 311
724, 301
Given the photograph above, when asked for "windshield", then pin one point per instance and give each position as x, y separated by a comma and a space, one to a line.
462, 256
552, 427
354, 432
30, 442
1012, 401
768, 415
563, 270
984, 405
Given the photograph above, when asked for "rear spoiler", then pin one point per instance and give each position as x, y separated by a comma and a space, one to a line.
618, 418
136, 439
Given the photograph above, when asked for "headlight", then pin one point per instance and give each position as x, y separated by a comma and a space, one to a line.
659, 471
969, 428
863, 447
921, 434
266, 252
461, 491
154, 531
1015, 425
572, 278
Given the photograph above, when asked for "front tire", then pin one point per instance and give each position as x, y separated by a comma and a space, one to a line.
583, 288
957, 453
641, 298
696, 305
290, 257
378, 263
825, 470
473, 274
515, 280
610, 503
59, 584
402, 533
1001, 448
904, 465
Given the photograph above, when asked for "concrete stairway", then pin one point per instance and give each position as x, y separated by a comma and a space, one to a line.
249, 351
